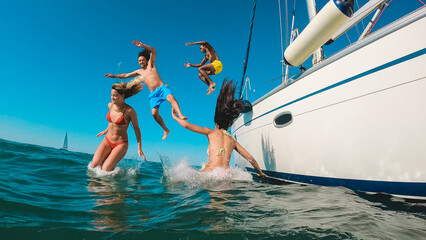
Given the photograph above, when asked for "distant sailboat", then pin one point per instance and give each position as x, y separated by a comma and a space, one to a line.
65, 147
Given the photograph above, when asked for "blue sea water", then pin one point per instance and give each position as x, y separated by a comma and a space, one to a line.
46, 193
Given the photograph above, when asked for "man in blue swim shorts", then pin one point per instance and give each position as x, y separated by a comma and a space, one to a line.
157, 96
214, 67
159, 91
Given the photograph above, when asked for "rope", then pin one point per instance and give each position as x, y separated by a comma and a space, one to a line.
422, 2
248, 48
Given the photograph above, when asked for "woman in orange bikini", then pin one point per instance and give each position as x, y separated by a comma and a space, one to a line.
114, 146
221, 143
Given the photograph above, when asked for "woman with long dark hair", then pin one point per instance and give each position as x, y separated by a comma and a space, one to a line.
221, 143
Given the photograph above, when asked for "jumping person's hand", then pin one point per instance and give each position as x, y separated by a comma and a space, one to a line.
187, 64
102, 133
140, 153
187, 44
261, 174
109, 75
137, 43
174, 114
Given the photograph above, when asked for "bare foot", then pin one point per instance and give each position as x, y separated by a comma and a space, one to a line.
210, 90
211, 86
166, 132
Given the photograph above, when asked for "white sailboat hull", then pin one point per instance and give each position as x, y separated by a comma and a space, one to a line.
358, 119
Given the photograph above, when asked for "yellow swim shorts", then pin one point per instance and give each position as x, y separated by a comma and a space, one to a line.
217, 66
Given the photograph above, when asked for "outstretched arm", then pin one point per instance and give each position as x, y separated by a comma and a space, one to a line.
199, 43
187, 64
249, 158
134, 120
103, 132
190, 126
151, 49
123, 75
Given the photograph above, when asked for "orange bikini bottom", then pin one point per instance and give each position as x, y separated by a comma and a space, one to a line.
113, 145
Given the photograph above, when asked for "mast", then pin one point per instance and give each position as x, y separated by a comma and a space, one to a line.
283, 78
318, 55
293, 34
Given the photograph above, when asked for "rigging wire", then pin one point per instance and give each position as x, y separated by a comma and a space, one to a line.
248, 48
276, 78
348, 38
294, 7
289, 39
286, 24
362, 20
281, 34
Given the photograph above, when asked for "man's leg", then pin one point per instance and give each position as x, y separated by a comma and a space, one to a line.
175, 106
203, 78
205, 71
159, 119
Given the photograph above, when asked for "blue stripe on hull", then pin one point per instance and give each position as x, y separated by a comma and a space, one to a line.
358, 76
414, 189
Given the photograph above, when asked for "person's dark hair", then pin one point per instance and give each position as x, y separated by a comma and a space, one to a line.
227, 107
145, 53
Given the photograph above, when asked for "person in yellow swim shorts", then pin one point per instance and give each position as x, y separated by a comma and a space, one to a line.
214, 67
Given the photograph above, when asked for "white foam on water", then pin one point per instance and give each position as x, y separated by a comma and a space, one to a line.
183, 172
122, 170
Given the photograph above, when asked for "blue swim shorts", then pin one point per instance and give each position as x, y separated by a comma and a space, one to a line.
158, 96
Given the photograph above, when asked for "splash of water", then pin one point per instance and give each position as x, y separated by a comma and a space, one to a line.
183, 172
126, 168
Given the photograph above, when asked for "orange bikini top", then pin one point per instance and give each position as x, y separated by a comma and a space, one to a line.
120, 120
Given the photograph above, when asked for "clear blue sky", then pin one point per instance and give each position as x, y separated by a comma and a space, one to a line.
54, 54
